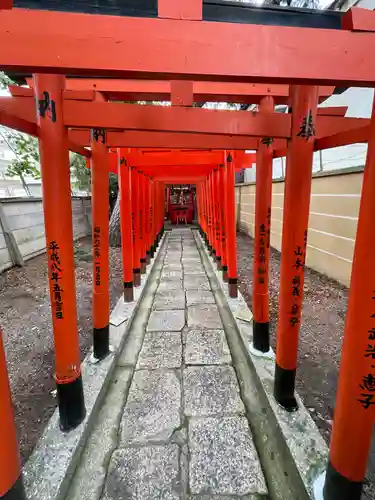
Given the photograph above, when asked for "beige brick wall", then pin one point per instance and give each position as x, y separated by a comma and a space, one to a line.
333, 220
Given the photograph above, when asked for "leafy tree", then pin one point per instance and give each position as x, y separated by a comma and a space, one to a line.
26, 160
4, 80
81, 173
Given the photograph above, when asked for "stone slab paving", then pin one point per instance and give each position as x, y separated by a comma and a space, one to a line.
169, 300
223, 457
152, 411
161, 350
183, 433
196, 297
206, 347
172, 266
194, 268
211, 390
204, 316
169, 321
166, 286
148, 473
196, 282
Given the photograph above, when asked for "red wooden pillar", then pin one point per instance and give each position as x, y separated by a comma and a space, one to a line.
147, 219
207, 212
135, 224
224, 256
124, 177
57, 204
11, 485
152, 217
213, 216
142, 234
208, 208
354, 416
203, 209
198, 205
263, 201
100, 242
231, 227
219, 249
157, 214
162, 209
294, 240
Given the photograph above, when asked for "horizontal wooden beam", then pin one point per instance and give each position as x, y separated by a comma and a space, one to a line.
35, 41
77, 95
162, 118
331, 125
19, 124
179, 179
177, 171
344, 138
173, 159
195, 120
24, 121
184, 127
333, 111
77, 148
159, 90
175, 140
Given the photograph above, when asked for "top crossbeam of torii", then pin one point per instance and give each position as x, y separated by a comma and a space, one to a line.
183, 43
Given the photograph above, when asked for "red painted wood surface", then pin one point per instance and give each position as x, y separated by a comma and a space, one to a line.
278, 54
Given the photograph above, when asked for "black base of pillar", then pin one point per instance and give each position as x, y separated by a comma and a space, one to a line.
225, 274
101, 342
284, 388
210, 249
137, 277
128, 291
148, 257
233, 288
261, 336
143, 266
218, 263
339, 487
152, 251
16, 492
71, 404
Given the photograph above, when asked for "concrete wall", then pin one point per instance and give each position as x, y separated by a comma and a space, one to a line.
24, 218
334, 207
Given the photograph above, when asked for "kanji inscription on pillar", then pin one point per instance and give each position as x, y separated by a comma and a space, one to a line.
56, 276
367, 385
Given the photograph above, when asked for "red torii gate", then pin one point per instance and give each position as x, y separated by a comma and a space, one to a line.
191, 167
337, 57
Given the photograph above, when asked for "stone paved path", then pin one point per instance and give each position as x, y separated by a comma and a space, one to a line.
182, 433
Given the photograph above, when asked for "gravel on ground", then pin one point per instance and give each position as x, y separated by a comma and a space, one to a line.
321, 335
25, 318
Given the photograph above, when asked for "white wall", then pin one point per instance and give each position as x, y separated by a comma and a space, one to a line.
25, 219
5, 259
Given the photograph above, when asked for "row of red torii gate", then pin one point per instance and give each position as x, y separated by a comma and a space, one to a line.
150, 146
